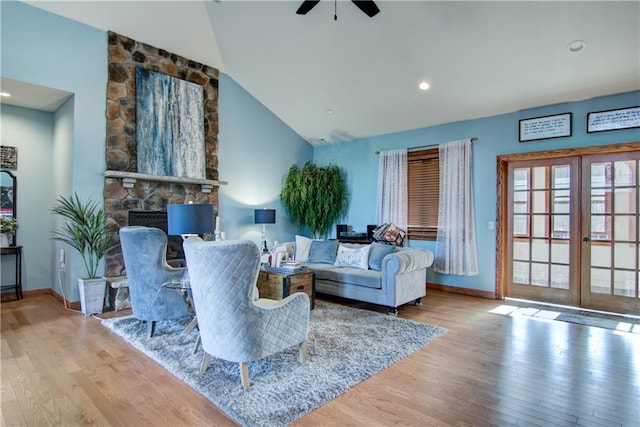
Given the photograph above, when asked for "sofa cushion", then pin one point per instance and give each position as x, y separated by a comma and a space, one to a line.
353, 257
303, 245
347, 275
379, 251
323, 251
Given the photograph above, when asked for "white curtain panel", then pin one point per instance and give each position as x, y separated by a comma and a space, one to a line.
456, 251
392, 204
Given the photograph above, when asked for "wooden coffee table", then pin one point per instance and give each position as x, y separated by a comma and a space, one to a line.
278, 285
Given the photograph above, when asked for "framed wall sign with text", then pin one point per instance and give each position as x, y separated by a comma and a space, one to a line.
622, 118
546, 127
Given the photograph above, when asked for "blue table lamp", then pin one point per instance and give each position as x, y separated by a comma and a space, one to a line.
189, 219
264, 216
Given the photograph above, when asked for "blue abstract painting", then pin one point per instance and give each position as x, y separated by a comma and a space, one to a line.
169, 126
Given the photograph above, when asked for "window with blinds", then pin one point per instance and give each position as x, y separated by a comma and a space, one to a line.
424, 189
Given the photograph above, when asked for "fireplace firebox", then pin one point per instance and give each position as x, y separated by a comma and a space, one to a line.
158, 219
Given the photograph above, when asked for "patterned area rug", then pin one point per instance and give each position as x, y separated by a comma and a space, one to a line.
346, 346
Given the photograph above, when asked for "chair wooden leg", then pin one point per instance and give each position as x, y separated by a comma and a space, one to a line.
151, 327
196, 345
205, 361
244, 375
303, 352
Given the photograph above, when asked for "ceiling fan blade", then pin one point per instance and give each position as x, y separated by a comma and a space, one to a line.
367, 6
306, 6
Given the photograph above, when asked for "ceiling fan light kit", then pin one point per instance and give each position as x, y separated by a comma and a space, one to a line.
369, 7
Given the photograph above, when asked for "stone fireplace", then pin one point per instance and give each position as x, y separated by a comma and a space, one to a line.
125, 189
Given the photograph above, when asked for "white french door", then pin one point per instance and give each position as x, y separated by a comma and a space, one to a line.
610, 255
543, 233
572, 230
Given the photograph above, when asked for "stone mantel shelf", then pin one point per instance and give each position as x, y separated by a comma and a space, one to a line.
130, 178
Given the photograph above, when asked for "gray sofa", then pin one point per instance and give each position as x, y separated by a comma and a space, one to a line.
389, 279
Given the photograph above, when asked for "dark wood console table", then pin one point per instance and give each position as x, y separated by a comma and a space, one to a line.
17, 252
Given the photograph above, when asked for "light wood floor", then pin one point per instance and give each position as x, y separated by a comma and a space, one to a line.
60, 368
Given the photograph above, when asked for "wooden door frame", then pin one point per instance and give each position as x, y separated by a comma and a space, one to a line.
502, 196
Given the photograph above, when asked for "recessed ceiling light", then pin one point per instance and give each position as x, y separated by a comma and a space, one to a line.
329, 111
5, 94
423, 86
577, 46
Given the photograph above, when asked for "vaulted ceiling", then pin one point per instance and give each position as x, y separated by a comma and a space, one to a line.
355, 77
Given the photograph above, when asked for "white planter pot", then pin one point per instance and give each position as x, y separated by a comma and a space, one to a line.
92, 294
4, 240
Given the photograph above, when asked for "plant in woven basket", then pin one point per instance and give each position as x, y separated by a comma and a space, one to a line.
315, 197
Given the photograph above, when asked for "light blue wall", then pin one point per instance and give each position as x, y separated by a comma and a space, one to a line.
31, 132
496, 135
40, 48
256, 149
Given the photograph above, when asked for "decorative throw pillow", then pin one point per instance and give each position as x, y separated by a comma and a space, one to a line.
353, 257
303, 245
323, 251
379, 251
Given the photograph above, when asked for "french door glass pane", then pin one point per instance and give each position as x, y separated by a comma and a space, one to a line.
521, 202
540, 180
521, 225
540, 250
539, 274
625, 200
560, 201
540, 199
521, 272
623, 283
625, 228
521, 179
600, 227
625, 173
521, 249
540, 226
601, 201
560, 276
560, 251
624, 255
601, 254
600, 281
561, 177
561, 225
601, 174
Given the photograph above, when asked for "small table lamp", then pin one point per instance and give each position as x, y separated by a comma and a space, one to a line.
265, 216
189, 219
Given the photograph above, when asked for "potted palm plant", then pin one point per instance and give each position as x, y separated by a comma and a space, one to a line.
315, 197
86, 232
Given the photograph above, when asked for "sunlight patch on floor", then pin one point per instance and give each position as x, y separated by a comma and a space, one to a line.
552, 315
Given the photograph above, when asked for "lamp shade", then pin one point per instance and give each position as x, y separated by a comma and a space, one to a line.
189, 218
265, 216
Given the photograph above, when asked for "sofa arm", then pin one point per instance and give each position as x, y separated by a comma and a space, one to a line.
406, 260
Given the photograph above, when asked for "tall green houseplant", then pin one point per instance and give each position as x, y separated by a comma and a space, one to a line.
85, 230
315, 197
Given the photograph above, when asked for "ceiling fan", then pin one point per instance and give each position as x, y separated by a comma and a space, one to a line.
367, 6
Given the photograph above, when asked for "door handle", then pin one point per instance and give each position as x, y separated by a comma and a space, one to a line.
586, 239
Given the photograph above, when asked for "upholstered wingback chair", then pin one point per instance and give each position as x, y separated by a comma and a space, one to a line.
144, 252
234, 324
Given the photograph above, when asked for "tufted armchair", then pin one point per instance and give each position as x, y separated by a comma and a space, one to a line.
144, 251
234, 324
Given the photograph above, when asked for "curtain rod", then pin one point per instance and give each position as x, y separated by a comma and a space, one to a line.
473, 139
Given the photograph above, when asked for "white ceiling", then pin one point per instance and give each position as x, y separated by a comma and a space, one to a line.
481, 58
